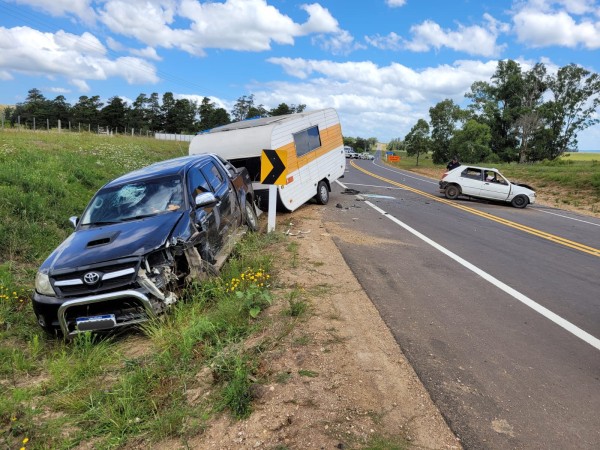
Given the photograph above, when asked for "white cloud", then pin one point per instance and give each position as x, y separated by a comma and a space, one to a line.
27, 51
395, 3
537, 24
59, 90
383, 101
146, 53
320, 20
390, 42
78, 8
243, 25
474, 40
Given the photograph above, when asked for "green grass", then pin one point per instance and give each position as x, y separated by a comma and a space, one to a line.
48, 177
58, 394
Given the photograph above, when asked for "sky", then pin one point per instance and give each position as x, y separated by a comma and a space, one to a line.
380, 63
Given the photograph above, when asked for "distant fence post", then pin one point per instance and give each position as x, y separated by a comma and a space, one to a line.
34, 124
47, 124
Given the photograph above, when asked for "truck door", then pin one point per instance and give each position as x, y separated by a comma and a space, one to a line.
207, 218
227, 198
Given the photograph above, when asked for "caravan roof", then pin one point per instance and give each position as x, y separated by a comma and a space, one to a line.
247, 138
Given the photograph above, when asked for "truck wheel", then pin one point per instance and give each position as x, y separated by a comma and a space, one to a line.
520, 201
322, 193
452, 192
251, 218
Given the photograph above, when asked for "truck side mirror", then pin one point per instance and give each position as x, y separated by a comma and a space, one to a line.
74, 221
205, 199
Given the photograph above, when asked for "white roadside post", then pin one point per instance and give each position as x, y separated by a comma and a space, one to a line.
272, 208
273, 171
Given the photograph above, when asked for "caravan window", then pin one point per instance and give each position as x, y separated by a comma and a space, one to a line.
307, 140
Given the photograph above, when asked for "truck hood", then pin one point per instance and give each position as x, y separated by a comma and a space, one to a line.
95, 245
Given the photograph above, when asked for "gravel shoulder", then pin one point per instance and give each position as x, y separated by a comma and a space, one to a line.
337, 379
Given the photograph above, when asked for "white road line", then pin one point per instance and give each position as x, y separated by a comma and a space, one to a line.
436, 182
583, 335
375, 186
426, 180
567, 217
576, 331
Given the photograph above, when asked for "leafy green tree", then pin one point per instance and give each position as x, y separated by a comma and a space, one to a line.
417, 140
242, 107
575, 95
498, 104
60, 109
113, 114
472, 142
211, 116
257, 111
281, 110
284, 109
444, 117
181, 117
396, 145
137, 114
34, 109
154, 113
87, 111
530, 120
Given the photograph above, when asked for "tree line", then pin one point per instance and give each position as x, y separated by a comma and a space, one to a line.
145, 114
518, 116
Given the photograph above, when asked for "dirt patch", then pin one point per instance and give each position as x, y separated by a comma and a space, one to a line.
337, 379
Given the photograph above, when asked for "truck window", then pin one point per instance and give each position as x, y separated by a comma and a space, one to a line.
307, 140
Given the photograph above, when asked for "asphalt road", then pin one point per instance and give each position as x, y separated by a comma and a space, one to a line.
497, 308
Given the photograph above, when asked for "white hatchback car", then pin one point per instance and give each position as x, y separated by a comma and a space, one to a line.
487, 183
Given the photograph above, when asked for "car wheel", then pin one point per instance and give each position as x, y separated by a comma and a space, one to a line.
452, 192
322, 193
251, 218
520, 201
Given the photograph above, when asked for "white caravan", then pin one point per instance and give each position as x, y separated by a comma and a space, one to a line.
315, 152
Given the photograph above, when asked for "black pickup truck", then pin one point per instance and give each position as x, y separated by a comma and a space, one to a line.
139, 240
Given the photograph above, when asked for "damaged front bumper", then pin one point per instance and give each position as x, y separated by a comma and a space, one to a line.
103, 321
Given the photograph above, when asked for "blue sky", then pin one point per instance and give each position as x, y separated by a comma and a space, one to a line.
381, 63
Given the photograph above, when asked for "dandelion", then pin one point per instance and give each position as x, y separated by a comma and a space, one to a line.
26, 440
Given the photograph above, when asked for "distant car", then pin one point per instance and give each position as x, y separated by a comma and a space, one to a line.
351, 155
368, 156
139, 240
486, 183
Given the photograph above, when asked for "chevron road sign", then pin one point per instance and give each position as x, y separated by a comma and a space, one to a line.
273, 168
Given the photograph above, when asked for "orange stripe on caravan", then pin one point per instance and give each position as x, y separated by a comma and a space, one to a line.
331, 138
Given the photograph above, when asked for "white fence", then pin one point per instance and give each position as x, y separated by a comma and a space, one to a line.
174, 137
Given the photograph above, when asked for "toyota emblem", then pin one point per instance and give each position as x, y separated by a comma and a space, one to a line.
91, 278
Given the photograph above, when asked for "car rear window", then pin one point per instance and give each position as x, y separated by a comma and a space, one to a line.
473, 174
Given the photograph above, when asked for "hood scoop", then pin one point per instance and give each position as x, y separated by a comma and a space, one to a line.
102, 240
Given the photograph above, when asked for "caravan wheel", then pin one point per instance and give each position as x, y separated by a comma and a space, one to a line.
322, 193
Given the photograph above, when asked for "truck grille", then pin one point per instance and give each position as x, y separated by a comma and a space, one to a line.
97, 279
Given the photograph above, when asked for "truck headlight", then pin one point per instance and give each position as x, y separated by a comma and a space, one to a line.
42, 284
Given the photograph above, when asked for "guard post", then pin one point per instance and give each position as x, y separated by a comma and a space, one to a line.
273, 171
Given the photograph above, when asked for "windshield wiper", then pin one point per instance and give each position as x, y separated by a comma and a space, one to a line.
100, 222
141, 216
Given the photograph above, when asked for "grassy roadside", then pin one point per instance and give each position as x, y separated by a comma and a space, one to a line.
572, 181
107, 390
166, 382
